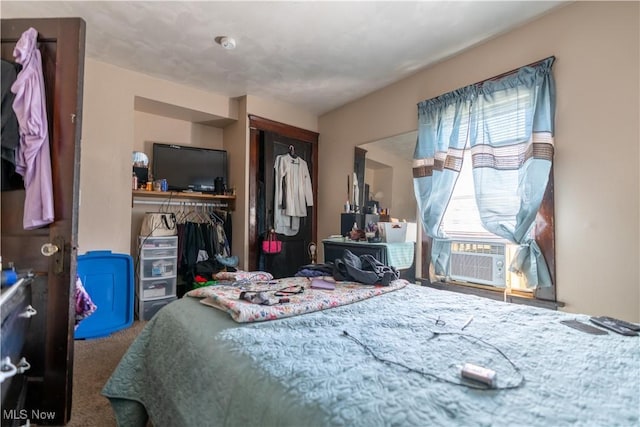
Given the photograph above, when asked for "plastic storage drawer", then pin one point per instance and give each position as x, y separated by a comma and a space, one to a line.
159, 267
157, 288
158, 252
147, 309
158, 242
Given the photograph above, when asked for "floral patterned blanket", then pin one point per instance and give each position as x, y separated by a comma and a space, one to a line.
310, 299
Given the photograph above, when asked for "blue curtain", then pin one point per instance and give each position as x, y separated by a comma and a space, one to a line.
443, 125
509, 125
511, 139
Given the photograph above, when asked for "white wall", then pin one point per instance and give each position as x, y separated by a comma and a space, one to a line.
109, 137
112, 129
597, 183
150, 128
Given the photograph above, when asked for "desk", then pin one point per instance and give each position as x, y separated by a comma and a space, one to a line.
398, 255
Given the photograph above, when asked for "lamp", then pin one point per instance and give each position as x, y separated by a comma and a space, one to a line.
312, 252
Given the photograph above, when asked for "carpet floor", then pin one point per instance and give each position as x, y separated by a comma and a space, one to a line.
94, 361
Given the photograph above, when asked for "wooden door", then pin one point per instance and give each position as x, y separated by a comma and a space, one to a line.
50, 341
294, 252
268, 140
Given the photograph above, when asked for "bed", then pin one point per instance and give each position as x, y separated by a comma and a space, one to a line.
391, 359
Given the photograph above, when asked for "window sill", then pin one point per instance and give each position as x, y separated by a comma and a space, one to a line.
491, 293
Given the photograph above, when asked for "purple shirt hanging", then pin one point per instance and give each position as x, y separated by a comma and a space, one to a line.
33, 160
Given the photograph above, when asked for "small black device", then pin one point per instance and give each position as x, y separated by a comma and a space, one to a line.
576, 324
613, 326
219, 186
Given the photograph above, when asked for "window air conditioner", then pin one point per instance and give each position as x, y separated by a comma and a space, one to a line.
479, 262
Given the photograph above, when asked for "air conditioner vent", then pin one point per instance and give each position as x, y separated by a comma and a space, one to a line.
478, 262
478, 248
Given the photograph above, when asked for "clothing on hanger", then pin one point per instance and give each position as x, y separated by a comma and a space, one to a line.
33, 160
293, 193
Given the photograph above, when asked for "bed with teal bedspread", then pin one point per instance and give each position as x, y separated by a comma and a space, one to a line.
192, 365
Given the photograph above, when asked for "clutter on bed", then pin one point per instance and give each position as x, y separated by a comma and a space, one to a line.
406, 370
364, 269
322, 283
276, 299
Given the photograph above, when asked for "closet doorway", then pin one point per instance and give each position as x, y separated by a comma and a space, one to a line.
268, 140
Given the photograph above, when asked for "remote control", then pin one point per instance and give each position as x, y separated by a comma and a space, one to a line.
622, 323
613, 326
576, 324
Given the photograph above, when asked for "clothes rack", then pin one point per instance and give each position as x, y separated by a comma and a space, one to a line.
181, 203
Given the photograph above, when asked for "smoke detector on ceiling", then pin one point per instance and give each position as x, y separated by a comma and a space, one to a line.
226, 42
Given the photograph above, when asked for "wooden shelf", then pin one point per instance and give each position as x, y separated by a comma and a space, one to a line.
165, 196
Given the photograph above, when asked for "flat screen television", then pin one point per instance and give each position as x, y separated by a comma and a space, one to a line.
188, 167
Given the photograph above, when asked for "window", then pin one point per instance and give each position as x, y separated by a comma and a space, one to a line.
507, 123
483, 174
461, 218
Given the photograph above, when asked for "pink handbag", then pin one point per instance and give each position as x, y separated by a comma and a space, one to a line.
271, 245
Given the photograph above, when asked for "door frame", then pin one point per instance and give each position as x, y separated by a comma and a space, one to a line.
258, 125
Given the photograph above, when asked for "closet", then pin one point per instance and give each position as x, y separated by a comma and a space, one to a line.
270, 140
49, 342
203, 227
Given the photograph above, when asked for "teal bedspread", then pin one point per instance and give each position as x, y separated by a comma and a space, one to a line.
193, 366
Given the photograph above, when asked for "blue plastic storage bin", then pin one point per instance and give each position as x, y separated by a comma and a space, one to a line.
108, 279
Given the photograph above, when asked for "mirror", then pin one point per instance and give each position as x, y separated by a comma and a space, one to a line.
140, 160
384, 171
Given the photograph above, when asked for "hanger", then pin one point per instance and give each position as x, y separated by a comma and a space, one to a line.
203, 215
292, 151
181, 214
196, 214
190, 214
215, 216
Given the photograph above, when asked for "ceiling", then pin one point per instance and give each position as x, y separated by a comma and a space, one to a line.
316, 55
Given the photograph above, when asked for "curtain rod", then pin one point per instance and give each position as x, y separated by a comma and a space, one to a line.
179, 203
515, 70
